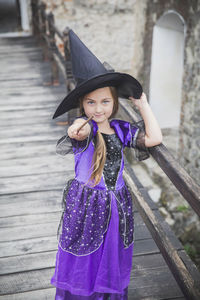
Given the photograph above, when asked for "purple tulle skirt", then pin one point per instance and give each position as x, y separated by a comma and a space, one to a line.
101, 275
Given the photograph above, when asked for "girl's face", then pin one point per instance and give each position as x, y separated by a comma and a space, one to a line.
99, 104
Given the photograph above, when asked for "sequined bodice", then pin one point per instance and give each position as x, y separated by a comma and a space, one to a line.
113, 159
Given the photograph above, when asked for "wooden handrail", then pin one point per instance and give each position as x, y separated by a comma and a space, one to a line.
177, 174
170, 254
184, 183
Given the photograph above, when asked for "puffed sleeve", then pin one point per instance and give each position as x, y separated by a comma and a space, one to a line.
138, 140
66, 145
132, 135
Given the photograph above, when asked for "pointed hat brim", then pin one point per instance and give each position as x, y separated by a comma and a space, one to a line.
125, 84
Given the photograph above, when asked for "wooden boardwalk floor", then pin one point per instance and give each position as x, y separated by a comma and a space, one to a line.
32, 180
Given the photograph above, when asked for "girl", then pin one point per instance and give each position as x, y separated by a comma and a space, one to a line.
95, 235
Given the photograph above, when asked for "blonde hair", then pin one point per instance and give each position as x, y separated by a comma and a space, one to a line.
99, 155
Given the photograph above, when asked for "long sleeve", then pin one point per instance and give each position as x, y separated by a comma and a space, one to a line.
66, 145
141, 151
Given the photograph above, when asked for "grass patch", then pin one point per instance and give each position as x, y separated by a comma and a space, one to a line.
190, 251
182, 208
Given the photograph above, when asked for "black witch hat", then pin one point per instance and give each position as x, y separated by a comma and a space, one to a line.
90, 74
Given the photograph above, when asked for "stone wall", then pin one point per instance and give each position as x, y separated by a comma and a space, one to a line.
111, 29
188, 154
185, 222
189, 147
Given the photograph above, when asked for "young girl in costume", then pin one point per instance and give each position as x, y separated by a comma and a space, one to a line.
95, 235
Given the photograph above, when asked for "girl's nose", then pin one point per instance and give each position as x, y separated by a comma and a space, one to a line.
98, 108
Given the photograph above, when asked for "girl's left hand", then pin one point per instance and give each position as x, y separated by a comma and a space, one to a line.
139, 102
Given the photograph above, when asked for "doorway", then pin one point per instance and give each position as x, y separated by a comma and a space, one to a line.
10, 20
167, 69
15, 17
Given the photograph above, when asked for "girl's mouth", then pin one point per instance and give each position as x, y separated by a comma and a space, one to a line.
99, 115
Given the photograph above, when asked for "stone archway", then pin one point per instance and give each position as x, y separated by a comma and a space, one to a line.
167, 69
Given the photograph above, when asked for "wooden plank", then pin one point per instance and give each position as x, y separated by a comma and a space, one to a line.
28, 202
14, 90
25, 139
150, 277
44, 294
25, 83
33, 91
29, 149
40, 260
27, 262
19, 51
27, 281
155, 290
144, 280
24, 100
27, 117
149, 201
20, 62
142, 264
147, 266
29, 246
142, 231
29, 130
26, 54
28, 232
148, 246
49, 243
35, 182
48, 228
191, 267
177, 298
31, 219
27, 75
30, 105
45, 121
39, 165
147, 262
38, 116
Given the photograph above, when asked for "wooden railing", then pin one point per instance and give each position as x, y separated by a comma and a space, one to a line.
56, 48
55, 43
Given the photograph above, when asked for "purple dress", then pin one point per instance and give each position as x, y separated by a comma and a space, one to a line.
95, 234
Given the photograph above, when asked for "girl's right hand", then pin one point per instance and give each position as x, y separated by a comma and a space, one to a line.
140, 102
82, 134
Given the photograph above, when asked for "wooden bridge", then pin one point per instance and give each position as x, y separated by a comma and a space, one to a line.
33, 177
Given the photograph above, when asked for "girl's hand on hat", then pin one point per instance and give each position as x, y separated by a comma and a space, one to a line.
82, 134
140, 102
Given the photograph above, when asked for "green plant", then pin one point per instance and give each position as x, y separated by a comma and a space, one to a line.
190, 250
182, 208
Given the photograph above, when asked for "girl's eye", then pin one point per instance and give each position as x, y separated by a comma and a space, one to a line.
92, 102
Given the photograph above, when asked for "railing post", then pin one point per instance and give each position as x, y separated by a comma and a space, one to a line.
52, 48
35, 17
43, 30
68, 65
70, 83
39, 24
